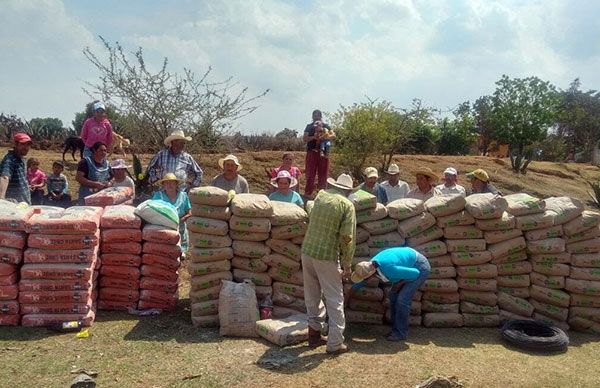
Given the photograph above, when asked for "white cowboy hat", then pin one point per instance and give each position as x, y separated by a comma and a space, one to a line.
284, 174
176, 135
168, 177
344, 182
232, 158
118, 164
393, 169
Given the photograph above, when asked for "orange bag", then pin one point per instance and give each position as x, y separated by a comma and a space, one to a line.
160, 261
120, 272
148, 283
122, 259
31, 320
10, 320
10, 255
58, 271
10, 239
132, 248
159, 273
73, 220
110, 196
7, 269
47, 297
121, 235
56, 308
128, 284
120, 217
9, 307
13, 218
35, 255
115, 305
61, 241
160, 234
9, 280
119, 294
53, 285
168, 250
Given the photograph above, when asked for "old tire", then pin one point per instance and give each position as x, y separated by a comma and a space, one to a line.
534, 335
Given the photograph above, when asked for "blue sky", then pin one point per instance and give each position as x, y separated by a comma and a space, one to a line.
310, 54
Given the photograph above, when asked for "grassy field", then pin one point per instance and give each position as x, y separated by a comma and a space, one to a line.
168, 351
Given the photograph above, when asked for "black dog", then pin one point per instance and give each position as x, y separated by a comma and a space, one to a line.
74, 143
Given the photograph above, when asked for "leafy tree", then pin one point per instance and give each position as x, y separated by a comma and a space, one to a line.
10, 124
456, 136
482, 109
156, 103
579, 119
46, 129
523, 110
287, 133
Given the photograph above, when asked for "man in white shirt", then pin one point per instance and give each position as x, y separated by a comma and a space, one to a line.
394, 187
449, 186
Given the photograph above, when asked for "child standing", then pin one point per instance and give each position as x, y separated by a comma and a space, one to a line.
37, 181
58, 187
121, 178
181, 202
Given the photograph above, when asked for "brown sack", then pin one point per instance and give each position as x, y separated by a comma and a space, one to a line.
515, 305
565, 209
519, 292
585, 300
504, 222
440, 297
551, 269
585, 325
585, 287
377, 213
550, 310
507, 247
463, 232
287, 213
412, 226
443, 320
473, 308
284, 331
247, 224
430, 234
207, 226
549, 245
251, 205
222, 213
584, 260
210, 195
250, 249
520, 204
208, 281
440, 285
260, 279
404, 208
481, 271
442, 273
476, 284
432, 307
444, 205
515, 281
535, 221
541, 234
440, 261
248, 236
471, 258
285, 247
387, 240
287, 232
467, 245
586, 246
518, 268
432, 248
484, 298
552, 258
486, 206
461, 218
238, 309
251, 265
496, 236
481, 320
547, 295
511, 258
587, 234
201, 255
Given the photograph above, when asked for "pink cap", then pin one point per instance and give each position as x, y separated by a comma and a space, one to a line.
22, 137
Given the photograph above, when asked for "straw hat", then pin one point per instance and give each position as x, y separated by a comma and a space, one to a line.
118, 164
284, 174
344, 182
168, 177
232, 158
427, 172
176, 135
362, 271
478, 174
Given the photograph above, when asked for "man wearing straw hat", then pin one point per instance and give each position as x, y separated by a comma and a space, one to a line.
329, 241
174, 159
229, 179
407, 270
426, 181
394, 187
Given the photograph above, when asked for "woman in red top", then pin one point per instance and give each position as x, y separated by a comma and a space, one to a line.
96, 129
287, 165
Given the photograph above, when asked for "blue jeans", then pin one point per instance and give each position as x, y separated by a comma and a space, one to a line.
400, 301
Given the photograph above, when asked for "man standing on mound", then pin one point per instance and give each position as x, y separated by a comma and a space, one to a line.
329, 242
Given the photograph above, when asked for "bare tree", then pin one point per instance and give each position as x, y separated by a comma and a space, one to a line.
156, 103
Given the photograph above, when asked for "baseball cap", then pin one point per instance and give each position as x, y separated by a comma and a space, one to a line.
99, 105
451, 171
371, 172
21, 137
478, 174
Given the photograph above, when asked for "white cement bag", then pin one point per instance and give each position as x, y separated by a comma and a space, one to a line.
441, 297
209, 307
442, 273
251, 205
476, 284
519, 292
485, 206
587, 219
507, 247
481, 271
215, 212
362, 235
535, 221
383, 226
467, 245
210, 195
212, 293
289, 289
584, 287
432, 307
202, 240
377, 213
514, 281
553, 258
404, 208
514, 304
362, 199
481, 320
285, 247
444, 205
285, 331
440, 261
440, 285
252, 225
387, 240
443, 320
430, 234
518, 268
585, 273
511, 258
505, 222
541, 234
463, 232
251, 265
585, 300
281, 275
585, 246
238, 309
586, 260
158, 212
564, 209
201, 255
554, 282
471, 258
412, 226
496, 236
551, 269
549, 245
521, 204
373, 294
287, 213
457, 219
199, 269
282, 262
250, 249
587, 234
289, 301
248, 236
287, 232
432, 249
207, 226
483, 298
209, 281
547, 295
260, 279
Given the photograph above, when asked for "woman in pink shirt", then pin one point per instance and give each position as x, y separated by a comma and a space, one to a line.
36, 179
287, 165
95, 129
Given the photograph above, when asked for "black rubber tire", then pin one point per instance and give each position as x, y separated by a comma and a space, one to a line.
534, 335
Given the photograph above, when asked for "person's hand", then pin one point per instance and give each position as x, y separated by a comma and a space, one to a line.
184, 218
346, 273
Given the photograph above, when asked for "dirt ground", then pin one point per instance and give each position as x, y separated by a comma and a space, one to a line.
167, 350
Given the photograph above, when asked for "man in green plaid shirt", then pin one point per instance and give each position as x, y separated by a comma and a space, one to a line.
329, 241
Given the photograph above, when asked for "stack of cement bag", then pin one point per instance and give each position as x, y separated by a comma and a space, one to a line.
58, 279
249, 228
375, 231
121, 248
583, 283
288, 225
210, 251
12, 243
159, 271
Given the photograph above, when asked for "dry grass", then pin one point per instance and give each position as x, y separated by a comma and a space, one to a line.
168, 351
